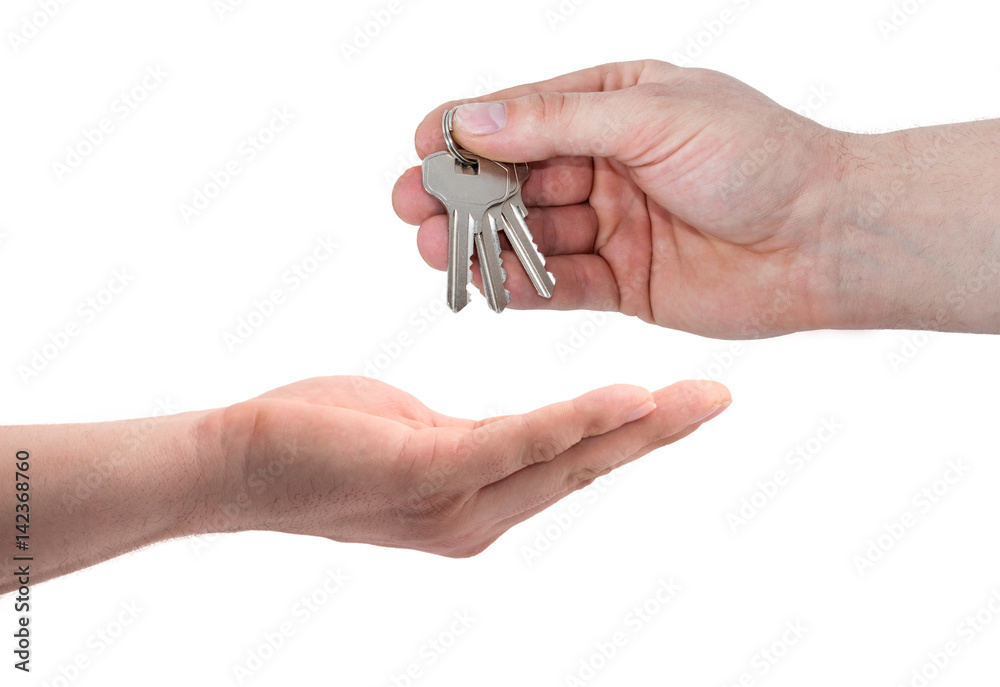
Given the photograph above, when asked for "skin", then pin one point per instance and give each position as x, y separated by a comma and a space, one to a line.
680, 196
688, 199
346, 458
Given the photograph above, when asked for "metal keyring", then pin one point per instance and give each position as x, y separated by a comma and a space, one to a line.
446, 127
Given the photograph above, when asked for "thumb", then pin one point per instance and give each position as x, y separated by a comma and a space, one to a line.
540, 126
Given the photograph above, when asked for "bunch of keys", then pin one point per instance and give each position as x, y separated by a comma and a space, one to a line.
483, 198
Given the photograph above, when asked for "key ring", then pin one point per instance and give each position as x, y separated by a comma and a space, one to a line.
446, 127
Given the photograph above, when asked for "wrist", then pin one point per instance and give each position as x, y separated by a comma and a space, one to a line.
224, 436
262, 454
910, 241
218, 466
859, 236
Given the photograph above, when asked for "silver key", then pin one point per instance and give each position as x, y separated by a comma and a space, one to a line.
488, 248
467, 193
490, 264
514, 212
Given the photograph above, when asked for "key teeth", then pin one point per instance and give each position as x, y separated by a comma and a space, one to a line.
468, 269
497, 301
526, 239
544, 263
531, 240
542, 257
503, 277
496, 246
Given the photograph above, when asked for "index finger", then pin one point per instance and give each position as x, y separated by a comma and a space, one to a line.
680, 409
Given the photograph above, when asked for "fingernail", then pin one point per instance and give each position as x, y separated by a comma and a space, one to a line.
716, 410
481, 118
641, 412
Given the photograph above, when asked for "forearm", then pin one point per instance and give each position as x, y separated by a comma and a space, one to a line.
917, 222
96, 491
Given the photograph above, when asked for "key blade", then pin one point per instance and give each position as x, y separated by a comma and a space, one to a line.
517, 232
490, 264
459, 259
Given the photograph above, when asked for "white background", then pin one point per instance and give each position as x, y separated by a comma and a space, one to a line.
161, 341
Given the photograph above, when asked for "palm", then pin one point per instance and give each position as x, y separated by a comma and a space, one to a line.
687, 259
323, 395
355, 435
353, 459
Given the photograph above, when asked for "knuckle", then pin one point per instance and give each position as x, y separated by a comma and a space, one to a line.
555, 107
541, 451
593, 426
585, 476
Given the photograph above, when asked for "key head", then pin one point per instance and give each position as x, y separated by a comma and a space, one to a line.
513, 181
521, 171
481, 186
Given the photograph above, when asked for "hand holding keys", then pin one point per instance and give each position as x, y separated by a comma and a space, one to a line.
483, 198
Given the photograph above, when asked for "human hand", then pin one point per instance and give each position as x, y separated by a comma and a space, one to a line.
681, 196
356, 460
